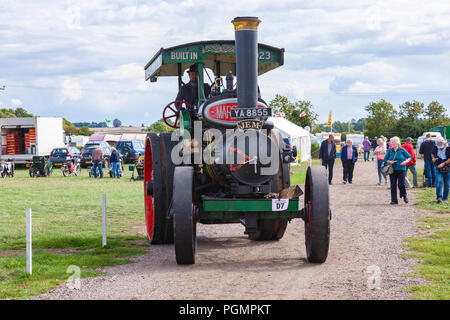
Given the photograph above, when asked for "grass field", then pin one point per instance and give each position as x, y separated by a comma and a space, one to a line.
67, 227
431, 247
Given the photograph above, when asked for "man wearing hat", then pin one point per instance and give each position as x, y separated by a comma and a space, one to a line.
441, 159
189, 91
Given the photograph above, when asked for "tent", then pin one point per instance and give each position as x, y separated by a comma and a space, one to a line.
134, 136
298, 136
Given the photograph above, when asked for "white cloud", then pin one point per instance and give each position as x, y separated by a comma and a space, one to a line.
71, 90
16, 102
91, 54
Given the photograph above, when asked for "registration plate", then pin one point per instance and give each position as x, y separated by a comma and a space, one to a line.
57, 164
88, 162
241, 113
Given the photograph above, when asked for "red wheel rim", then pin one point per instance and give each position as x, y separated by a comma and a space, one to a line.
148, 176
173, 112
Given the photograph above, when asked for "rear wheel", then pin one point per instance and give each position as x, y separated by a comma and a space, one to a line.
31, 172
65, 170
168, 171
185, 231
154, 192
318, 215
269, 229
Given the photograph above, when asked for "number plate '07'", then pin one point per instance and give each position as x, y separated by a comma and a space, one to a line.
280, 204
251, 112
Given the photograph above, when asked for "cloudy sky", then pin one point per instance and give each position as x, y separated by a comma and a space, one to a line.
84, 60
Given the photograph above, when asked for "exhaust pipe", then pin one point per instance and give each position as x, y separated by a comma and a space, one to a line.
246, 44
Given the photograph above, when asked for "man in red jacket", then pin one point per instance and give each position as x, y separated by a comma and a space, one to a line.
411, 165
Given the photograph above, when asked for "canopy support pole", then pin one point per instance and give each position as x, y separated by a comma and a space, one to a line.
179, 76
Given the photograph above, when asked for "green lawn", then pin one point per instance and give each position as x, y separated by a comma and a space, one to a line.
67, 228
298, 172
431, 247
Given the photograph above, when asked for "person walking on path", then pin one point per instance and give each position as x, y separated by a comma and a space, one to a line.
441, 158
115, 160
349, 155
411, 166
426, 148
397, 157
374, 145
327, 155
366, 146
97, 160
380, 152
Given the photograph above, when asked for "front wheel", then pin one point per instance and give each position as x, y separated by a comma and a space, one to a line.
78, 170
184, 224
318, 215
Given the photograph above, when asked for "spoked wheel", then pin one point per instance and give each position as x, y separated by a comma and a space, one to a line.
154, 194
318, 215
172, 112
31, 172
185, 231
78, 170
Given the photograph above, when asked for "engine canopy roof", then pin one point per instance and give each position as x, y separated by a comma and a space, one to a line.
217, 55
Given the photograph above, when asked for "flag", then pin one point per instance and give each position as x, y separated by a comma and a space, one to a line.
329, 121
302, 114
107, 122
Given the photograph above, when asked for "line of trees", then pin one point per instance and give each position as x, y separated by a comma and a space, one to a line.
90, 124
411, 119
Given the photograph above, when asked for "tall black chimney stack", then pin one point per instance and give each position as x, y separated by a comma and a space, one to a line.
246, 45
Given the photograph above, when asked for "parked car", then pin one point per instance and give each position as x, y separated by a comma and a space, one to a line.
86, 156
130, 150
59, 156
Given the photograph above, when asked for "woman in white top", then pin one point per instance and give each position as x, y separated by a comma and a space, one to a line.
380, 152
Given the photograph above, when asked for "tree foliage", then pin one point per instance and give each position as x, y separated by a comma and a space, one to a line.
436, 114
292, 110
15, 113
411, 120
159, 126
84, 131
382, 118
117, 123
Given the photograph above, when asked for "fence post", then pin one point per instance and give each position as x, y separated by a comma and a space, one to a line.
29, 240
104, 221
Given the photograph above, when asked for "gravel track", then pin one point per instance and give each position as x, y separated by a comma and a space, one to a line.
365, 230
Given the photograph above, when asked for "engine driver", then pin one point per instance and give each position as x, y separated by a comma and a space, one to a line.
189, 91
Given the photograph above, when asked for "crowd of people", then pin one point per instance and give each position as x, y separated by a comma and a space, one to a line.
394, 160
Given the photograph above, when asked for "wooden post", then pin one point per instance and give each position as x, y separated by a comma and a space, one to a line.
104, 221
29, 242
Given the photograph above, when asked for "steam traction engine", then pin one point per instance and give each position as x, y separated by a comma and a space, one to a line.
226, 163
